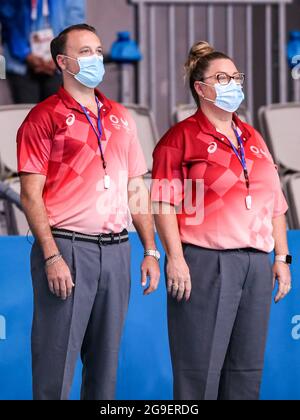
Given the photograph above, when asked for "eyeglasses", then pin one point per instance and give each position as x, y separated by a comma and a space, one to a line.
225, 79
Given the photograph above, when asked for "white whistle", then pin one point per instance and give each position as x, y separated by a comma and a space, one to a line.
249, 202
107, 182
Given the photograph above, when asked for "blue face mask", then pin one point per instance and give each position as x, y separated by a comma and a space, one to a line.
91, 71
229, 97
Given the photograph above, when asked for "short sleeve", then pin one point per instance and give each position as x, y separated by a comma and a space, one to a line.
33, 148
280, 203
136, 160
264, 147
168, 179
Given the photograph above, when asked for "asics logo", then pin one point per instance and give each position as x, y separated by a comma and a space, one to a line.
70, 119
213, 147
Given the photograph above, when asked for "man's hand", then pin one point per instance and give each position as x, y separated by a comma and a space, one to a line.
281, 273
60, 279
179, 279
150, 268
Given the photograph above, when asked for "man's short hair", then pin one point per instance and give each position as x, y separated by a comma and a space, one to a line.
58, 44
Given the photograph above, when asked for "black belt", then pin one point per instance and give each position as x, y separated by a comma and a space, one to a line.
244, 250
101, 239
253, 250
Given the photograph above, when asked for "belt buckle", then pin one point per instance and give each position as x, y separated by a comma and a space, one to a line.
100, 239
112, 236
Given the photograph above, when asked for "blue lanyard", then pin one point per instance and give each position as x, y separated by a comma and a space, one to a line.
98, 133
241, 156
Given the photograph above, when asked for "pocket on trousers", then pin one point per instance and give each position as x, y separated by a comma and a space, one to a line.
72, 266
184, 248
67, 249
205, 266
36, 257
271, 271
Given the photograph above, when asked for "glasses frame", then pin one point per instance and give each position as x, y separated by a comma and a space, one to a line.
229, 78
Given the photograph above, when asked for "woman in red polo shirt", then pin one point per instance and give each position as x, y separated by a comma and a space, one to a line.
220, 212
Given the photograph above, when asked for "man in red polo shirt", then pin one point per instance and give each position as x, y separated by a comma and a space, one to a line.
81, 168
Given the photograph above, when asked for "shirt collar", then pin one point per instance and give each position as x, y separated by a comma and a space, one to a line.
208, 128
71, 103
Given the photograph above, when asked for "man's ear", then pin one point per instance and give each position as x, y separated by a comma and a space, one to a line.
61, 61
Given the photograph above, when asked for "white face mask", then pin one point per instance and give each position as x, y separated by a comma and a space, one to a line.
229, 97
91, 71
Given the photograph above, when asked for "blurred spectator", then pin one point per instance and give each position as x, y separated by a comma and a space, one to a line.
28, 27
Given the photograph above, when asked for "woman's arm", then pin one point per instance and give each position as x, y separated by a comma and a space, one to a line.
281, 271
178, 274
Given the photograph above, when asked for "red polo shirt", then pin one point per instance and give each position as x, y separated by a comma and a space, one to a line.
212, 211
57, 141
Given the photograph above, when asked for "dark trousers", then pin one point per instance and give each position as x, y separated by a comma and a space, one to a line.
218, 338
90, 321
32, 88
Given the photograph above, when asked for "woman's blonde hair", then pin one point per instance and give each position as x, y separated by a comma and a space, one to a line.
200, 57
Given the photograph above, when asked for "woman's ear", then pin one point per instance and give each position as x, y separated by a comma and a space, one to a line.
198, 89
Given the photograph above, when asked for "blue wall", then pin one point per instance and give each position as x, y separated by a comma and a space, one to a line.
145, 368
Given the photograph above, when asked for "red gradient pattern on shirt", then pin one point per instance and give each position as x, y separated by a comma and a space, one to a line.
57, 141
194, 150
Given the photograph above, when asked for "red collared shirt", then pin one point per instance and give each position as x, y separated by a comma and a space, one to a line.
56, 140
212, 210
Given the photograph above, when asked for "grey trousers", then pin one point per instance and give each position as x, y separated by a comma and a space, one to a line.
90, 321
218, 338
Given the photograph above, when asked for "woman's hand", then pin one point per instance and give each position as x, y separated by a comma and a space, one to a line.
179, 279
281, 273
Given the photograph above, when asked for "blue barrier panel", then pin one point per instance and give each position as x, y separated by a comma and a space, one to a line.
144, 367
282, 365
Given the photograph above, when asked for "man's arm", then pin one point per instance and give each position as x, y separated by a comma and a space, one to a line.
32, 187
140, 208
58, 274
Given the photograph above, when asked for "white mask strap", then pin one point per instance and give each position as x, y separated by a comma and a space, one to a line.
206, 84
209, 100
71, 58
204, 97
72, 74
